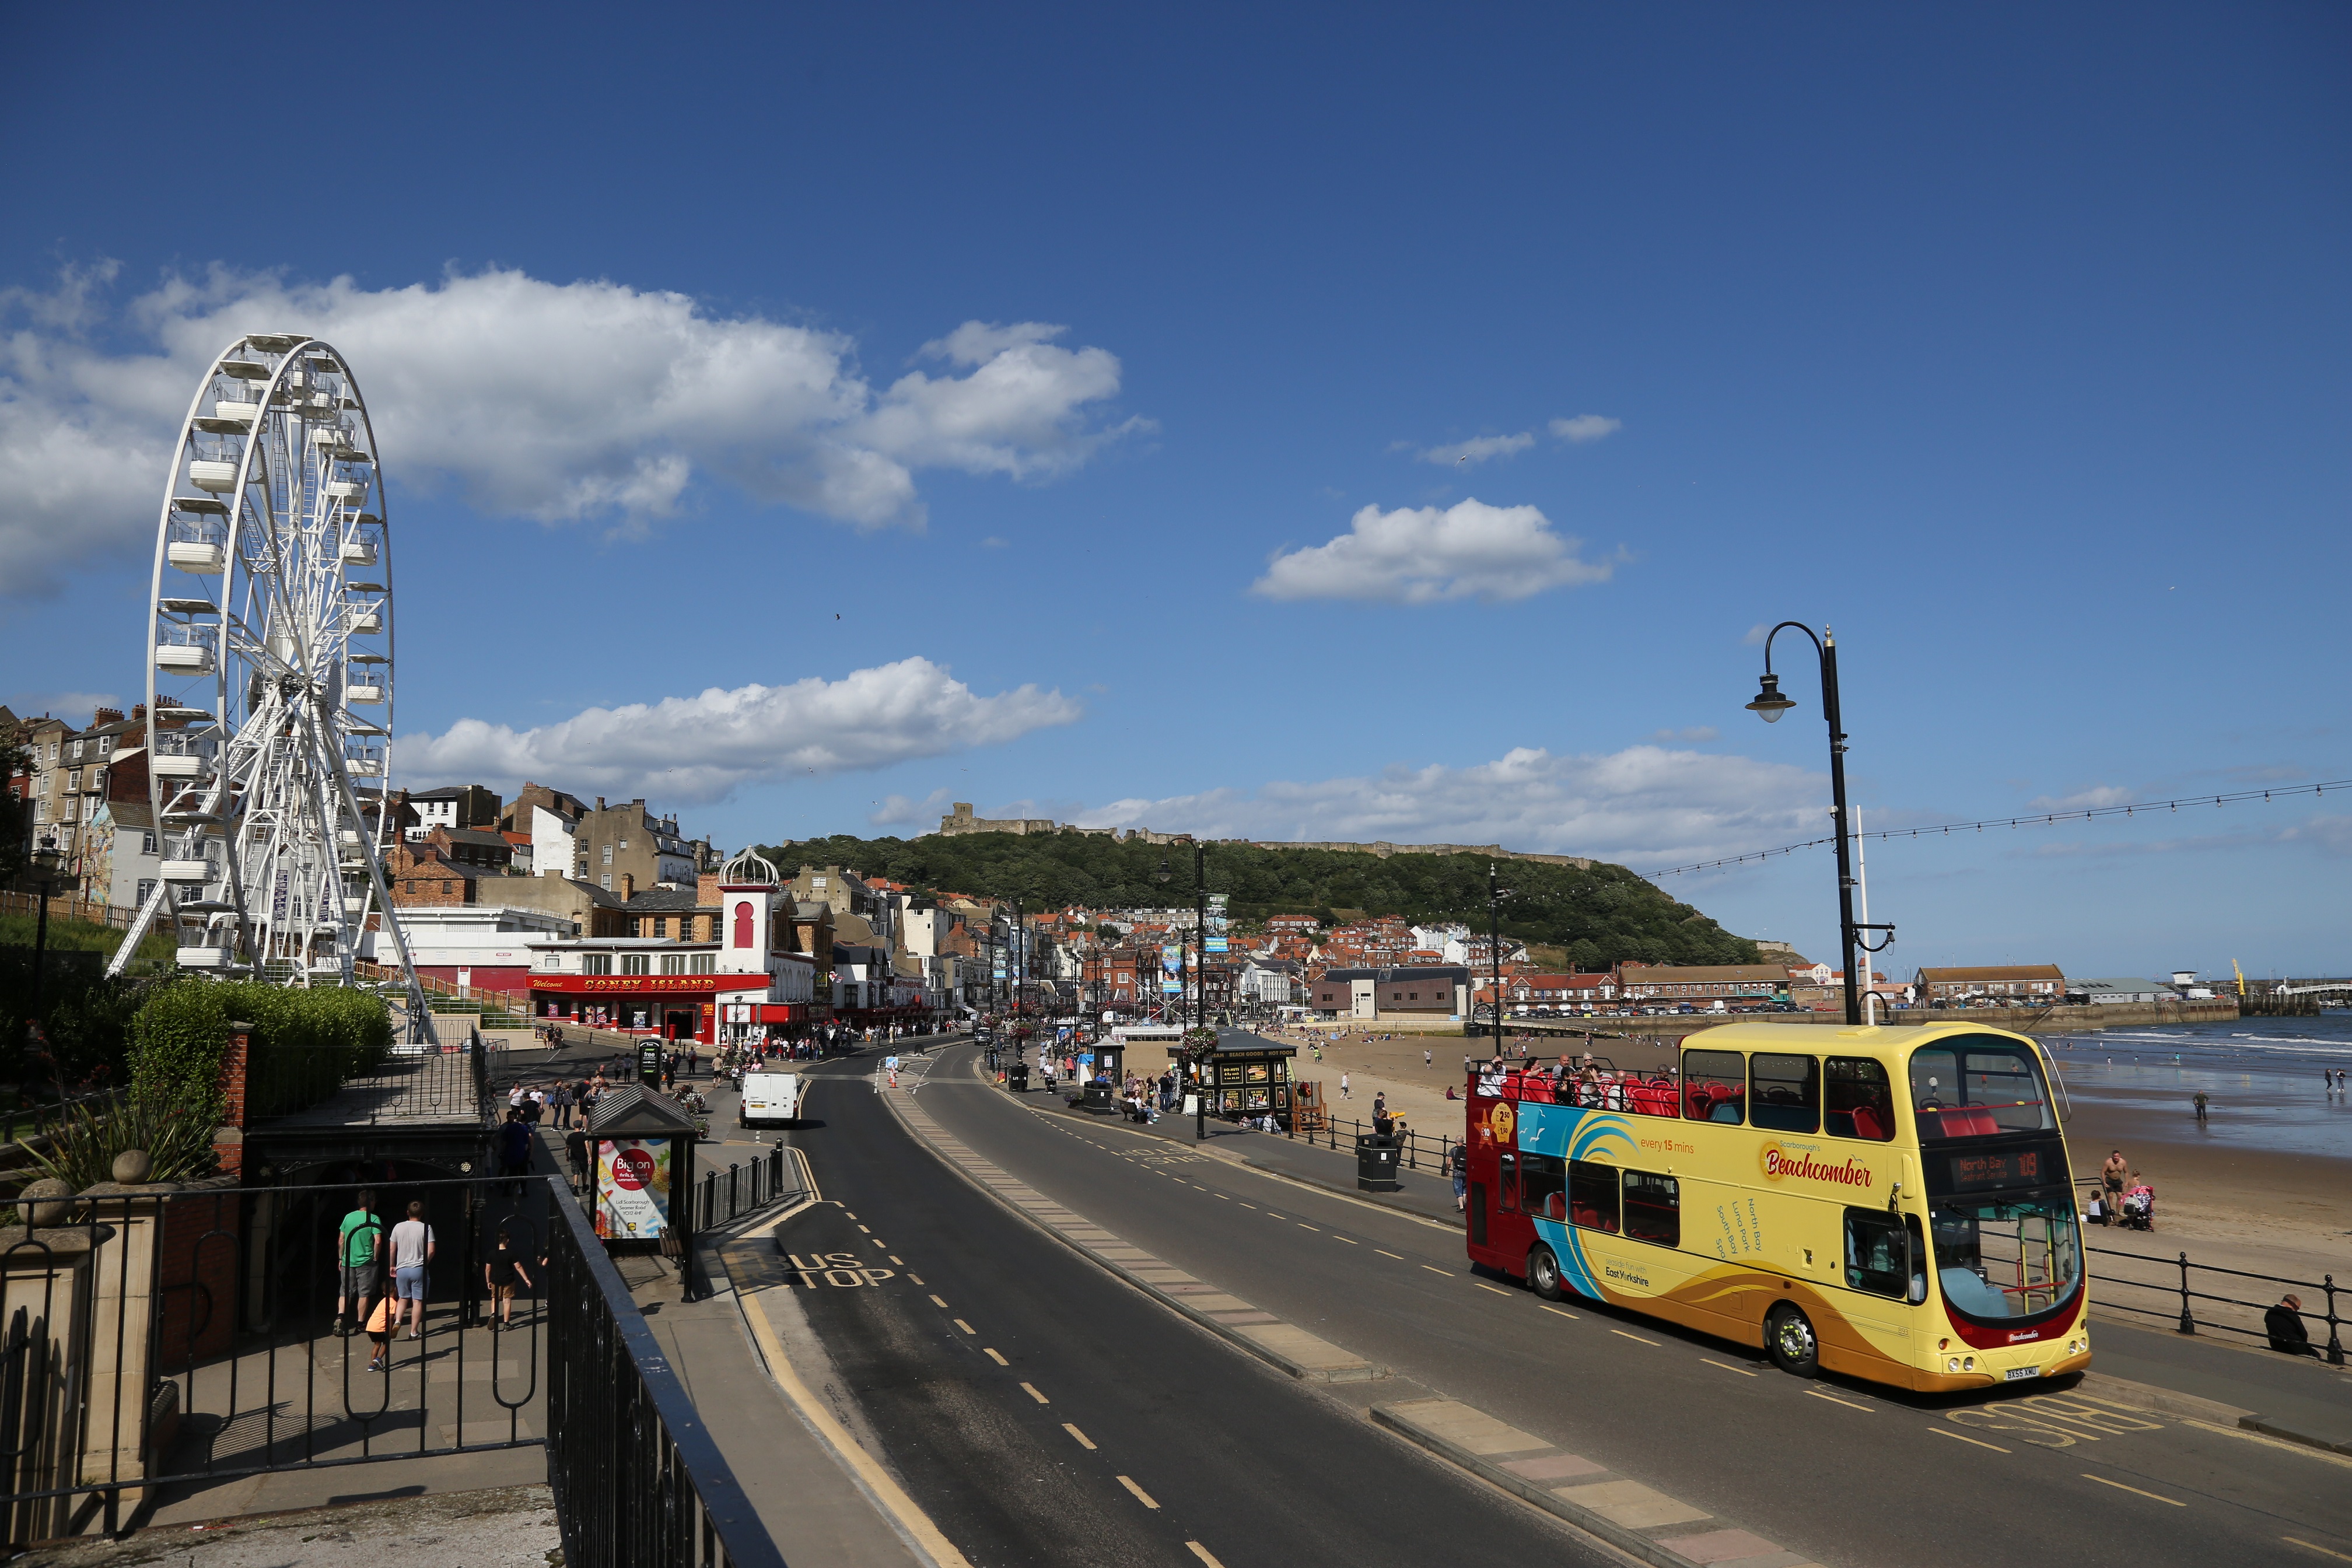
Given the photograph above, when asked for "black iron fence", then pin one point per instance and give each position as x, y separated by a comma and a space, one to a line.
168, 1338
1417, 1151
638, 1481
746, 1188
2192, 1309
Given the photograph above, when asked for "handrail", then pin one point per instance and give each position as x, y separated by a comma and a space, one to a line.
2187, 1321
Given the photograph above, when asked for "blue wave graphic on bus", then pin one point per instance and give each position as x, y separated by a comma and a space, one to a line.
1571, 1132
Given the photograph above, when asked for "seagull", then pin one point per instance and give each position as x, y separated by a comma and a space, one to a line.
1463, 458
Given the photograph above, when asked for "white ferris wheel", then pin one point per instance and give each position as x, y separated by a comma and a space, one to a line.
269, 678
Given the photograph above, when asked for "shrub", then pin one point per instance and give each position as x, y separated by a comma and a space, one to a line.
303, 1046
82, 1150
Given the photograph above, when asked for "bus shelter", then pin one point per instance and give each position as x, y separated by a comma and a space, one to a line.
1250, 1076
641, 1149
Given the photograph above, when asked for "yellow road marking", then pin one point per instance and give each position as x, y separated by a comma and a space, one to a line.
916, 1278
1624, 1335
1728, 1367
2134, 1491
869, 1230
967, 1328
1304, 1225
1947, 1432
2324, 1552
836, 1437
1249, 1205
1385, 1252
1031, 1390
936, 1302
1140, 1495
993, 1356
1562, 1313
1084, 1441
1349, 1242
1434, 1269
1838, 1402
1202, 1552
897, 1261
1497, 1290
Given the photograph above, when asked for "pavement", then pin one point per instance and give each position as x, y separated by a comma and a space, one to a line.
2087, 1472
484, 1526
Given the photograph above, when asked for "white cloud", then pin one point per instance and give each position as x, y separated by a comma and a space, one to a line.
1479, 448
1696, 735
905, 811
1586, 427
697, 749
1645, 806
554, 401
1422, 555
2333, 834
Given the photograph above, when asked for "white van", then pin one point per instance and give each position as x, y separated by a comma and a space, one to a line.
771, 1099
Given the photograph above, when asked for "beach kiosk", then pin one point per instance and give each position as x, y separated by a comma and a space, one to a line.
1251, 1076
641, 1149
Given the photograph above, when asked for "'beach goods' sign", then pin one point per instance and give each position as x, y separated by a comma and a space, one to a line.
632, 1188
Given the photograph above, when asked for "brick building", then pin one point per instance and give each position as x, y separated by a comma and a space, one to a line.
2033, 984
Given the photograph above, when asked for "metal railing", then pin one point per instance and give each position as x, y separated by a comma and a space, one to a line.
741, 1189
638, 1480
187, 1336
2180, 1300
1410, 1143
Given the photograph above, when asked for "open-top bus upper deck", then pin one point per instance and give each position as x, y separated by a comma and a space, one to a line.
1895, 1198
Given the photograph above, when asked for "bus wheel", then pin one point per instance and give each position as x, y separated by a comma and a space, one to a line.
1543, 1274
1789, 1335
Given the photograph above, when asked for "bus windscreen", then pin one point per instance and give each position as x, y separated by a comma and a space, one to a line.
1978, 1088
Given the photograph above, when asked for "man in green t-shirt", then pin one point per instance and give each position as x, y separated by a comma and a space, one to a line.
359, 1260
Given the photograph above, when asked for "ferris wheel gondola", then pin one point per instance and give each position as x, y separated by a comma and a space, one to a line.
269, 680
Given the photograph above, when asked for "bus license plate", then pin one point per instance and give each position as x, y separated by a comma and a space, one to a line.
2019, 1373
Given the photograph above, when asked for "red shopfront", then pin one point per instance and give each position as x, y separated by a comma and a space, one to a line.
675, 1006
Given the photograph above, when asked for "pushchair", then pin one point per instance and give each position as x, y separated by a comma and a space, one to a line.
2138, 1209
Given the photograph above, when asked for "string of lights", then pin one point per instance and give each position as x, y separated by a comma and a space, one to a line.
2044, 819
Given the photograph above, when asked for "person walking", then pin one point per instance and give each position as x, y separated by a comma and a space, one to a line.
514, 1144
2201, 1105
1428, 1060
561, 1100
2111, 1180
411, 1249
1459, 1160
359, 1262
501, 1272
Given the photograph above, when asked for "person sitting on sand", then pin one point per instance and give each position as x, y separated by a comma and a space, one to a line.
2284, 1323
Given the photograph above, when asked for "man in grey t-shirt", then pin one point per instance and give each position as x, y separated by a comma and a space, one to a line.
411, 1249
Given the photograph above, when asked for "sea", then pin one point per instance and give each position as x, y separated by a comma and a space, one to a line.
2262, 1077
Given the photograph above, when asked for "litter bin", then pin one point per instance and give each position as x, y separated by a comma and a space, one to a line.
1376, 1162
1020, 1076
1099, 1098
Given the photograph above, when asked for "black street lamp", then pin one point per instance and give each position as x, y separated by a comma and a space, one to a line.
1768, 706
45, 864
1494, 897
1201, 981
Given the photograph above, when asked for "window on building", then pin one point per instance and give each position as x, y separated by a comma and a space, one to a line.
624, 844
607, 881
146, 889
706, 962
595, 964
448, 888
673, 964
636, 963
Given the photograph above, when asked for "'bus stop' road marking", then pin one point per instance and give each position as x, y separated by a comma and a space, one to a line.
1834, 1399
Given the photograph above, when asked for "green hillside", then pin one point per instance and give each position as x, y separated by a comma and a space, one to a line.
1597, 916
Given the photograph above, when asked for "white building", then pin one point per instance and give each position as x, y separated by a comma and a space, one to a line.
485, 946
554, 845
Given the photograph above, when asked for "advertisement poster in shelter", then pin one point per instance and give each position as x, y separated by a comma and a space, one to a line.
632, 1188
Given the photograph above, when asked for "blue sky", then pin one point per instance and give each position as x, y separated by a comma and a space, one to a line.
1067, 412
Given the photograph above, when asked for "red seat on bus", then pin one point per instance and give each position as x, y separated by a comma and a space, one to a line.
1866, 1124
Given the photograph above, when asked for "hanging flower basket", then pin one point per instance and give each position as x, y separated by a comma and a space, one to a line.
1201, 1041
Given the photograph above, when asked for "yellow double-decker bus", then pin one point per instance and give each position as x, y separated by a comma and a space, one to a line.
1893, 1203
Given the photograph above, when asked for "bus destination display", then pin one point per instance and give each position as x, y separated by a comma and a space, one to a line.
1997, 1168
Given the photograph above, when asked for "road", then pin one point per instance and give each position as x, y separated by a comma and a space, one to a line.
1846, 1472
1042, 1412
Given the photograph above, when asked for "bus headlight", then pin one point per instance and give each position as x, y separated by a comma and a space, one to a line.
1952, 1363
1970, 1364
